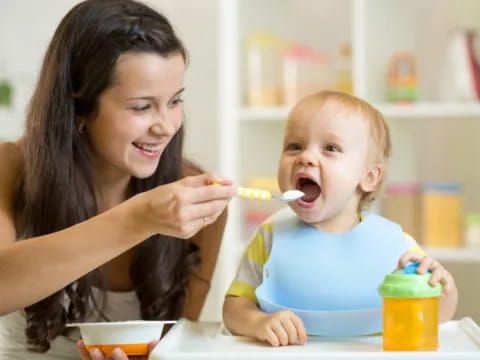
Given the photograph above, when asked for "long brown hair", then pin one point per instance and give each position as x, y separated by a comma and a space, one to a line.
56, 188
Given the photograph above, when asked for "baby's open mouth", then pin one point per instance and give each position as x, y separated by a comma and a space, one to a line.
310, 188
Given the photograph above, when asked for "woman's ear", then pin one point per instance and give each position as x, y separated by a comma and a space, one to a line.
372, 178
81, 121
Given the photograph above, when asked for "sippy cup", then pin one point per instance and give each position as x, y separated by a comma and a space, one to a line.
410, 310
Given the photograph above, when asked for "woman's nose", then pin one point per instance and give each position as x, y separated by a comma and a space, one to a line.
162, 125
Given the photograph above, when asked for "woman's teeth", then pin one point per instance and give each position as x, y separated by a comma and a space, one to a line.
148, 148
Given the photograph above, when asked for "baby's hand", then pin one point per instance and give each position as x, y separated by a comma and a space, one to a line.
439, 273
280, 328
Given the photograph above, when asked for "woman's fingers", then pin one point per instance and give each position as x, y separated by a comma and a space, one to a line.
151, 345
119, 354
208, 210
208, 193
96, 354
84, 354
205, 180
93, 354
184, 207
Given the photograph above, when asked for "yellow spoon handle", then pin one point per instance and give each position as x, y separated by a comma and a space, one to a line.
251, 193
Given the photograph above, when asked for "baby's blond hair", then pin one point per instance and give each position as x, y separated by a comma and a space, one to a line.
378, 127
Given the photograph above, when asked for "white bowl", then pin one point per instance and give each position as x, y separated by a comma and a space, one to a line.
131, 336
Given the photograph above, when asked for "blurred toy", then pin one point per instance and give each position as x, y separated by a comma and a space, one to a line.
264, 70
305, 71
402, 78
344, 82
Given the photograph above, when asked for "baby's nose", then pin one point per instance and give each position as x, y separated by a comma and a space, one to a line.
306, 158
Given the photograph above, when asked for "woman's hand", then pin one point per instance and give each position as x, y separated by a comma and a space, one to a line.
184, 207
117, 354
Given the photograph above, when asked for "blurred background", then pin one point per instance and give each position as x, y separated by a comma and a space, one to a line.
250, 60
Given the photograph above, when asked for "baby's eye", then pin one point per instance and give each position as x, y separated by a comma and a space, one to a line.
140, 109
293, 147
332, 148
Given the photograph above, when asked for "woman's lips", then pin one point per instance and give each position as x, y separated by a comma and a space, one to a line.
151, 151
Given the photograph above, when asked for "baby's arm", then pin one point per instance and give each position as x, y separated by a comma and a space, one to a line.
243, 317
241, 313
449, 298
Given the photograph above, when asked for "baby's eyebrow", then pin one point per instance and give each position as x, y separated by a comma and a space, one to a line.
333, 137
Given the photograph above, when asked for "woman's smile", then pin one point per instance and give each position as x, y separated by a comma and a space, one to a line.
151, 151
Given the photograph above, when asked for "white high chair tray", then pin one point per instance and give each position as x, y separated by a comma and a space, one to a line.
189, 340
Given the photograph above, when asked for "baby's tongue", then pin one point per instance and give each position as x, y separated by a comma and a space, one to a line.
312, 191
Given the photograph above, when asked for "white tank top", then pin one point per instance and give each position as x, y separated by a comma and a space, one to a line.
120, 306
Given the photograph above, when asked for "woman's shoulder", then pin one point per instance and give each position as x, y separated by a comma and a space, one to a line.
11, 165
11, 161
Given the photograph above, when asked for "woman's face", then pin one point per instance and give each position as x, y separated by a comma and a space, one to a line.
137, 115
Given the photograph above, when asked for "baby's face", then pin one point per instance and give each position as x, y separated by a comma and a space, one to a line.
325, 155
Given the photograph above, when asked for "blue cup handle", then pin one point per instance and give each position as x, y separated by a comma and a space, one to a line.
410, 269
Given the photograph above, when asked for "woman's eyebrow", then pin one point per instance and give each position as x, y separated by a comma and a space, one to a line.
153, 97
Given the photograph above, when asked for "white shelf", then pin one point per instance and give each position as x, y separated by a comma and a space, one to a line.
453, 254
416, 110
429, 110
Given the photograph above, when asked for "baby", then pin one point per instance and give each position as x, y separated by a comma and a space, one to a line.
328, 254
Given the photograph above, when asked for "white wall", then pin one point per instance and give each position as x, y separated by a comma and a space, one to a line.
25, 30
196, 23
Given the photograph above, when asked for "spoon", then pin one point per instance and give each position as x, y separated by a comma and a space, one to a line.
258, 194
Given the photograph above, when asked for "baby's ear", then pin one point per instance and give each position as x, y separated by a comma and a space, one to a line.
372, 178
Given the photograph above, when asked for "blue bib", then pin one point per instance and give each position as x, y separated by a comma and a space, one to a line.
331, 280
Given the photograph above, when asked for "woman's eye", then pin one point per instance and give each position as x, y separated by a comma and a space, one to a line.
177, 101
332, 148
141, 109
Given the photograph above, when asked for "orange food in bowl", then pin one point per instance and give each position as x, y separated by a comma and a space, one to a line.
132, 337
129, 349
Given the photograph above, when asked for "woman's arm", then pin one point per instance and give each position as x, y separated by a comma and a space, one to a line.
33, 269
208, 241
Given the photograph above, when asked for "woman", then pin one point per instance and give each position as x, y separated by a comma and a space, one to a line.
97, 190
